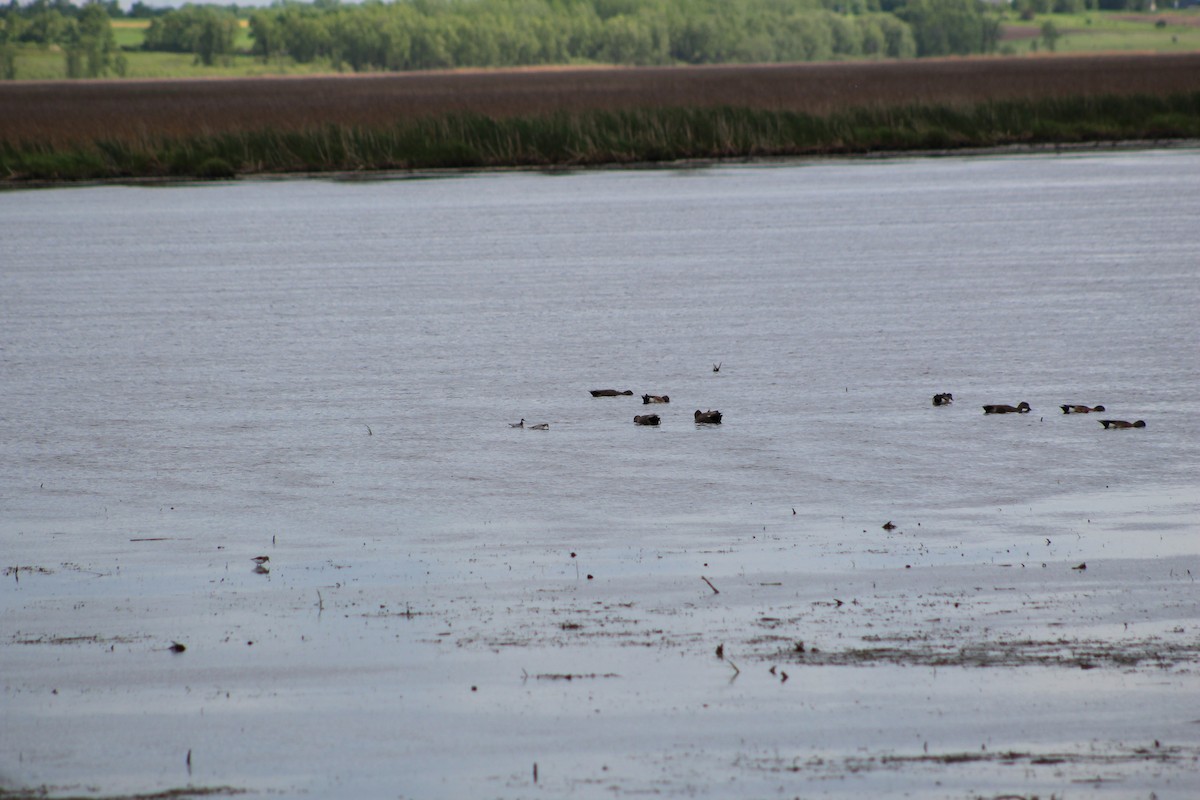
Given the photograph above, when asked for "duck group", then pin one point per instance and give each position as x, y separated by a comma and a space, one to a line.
941, 399
944, 399
709, 417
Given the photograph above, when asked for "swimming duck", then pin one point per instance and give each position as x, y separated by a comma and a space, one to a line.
710, 417
646, 419
544, 426
1120, 423
520, 424
1020, 408
609, 392
1069, 409
655, 398
943, 399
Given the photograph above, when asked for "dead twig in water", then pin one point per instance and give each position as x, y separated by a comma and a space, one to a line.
706, 580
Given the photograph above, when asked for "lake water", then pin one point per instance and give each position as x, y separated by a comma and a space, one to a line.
327, 371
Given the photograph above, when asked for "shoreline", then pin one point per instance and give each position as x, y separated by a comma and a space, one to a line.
998, 151
68, 132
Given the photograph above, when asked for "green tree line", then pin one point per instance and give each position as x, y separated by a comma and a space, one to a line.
430, 34
84, 34
205, 30
433, 34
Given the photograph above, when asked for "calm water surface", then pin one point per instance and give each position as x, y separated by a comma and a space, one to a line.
343, 359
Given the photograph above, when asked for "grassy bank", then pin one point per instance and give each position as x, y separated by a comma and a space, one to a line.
1104, 32
608, 137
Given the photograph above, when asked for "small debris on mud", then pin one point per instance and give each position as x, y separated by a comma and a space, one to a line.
923, 652
16, 571
567, 676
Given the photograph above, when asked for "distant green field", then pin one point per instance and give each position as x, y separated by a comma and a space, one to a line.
1089, 32
131, 33
1107, 31
42, 64
48, 63
183, 65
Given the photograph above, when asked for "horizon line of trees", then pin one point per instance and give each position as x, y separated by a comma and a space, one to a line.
430, 34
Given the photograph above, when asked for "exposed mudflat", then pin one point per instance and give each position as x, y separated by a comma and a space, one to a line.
1033, 677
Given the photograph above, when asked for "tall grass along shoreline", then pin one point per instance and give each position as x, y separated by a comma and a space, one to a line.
594, 138
105, 130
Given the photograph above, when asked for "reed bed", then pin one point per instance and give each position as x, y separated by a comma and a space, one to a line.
565, 139
546, 118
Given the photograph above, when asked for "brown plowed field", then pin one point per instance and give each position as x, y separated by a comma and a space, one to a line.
85, 110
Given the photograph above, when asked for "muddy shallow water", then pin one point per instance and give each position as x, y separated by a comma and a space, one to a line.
325, 373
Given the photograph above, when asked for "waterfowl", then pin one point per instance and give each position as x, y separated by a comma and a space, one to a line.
646, 419
943, 399
520, 424
889, 525
544, 426
710, 417
655, 398
1020, 408
609, 392
1070, 409
1120, 423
